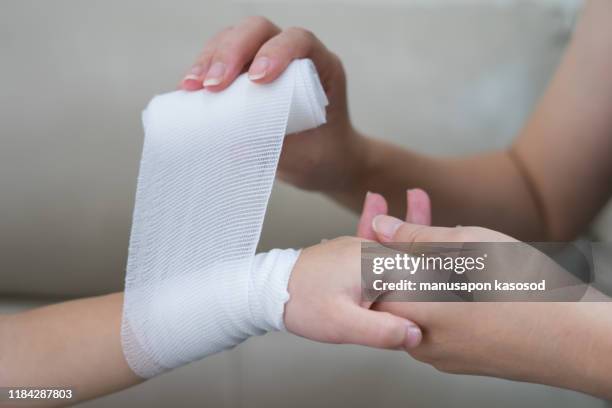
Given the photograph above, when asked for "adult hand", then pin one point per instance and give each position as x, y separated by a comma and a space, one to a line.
534, 342
327, 158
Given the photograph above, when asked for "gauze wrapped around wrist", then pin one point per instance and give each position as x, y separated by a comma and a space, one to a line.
194, 285
225, 309
268, 293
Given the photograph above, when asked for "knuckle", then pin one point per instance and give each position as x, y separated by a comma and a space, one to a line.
231, 48
273, 48
222, 33
410, 233
350, 240
206, 55
210, 44
460, 235
303, 33
343, 240
478, 232
256, 20
259, 21
351, 246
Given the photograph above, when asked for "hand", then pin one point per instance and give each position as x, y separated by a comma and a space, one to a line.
326, 158
325, 301
534, 342
326, 281
453, 341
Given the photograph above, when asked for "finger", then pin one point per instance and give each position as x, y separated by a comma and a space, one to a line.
385, 228
235, 49
377, 329
391, 229
374, 205
293, 43
192, 81
418, 207
413, 311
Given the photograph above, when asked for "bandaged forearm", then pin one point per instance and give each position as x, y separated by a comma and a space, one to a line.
194, 286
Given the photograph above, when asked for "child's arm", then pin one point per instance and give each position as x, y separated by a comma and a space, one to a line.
77, 344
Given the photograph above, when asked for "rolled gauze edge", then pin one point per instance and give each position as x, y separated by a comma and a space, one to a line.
193, 285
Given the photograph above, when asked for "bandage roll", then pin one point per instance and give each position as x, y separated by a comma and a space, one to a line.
194, 285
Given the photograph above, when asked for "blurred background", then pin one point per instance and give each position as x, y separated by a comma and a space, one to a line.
441, 76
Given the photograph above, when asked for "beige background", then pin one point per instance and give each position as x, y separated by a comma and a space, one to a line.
446, 77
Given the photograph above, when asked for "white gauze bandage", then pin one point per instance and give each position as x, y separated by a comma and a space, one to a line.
194, 285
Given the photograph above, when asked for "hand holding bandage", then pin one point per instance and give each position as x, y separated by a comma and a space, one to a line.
193, 284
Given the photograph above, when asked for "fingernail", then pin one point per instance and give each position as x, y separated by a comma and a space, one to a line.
259, 68
194, 73
413, 335
215, 74
386, 225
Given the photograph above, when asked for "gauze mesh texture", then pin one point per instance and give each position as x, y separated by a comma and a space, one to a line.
194, 285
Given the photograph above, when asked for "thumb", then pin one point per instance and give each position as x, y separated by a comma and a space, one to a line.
390, 229
378, 329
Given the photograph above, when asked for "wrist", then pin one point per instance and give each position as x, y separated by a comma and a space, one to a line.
364, 159
269, 287
373, 156
359, 160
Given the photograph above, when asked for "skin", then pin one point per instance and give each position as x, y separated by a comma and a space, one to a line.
548, 185
73, 344
77, 344
520, 191
81, 339
348, 319
561, 344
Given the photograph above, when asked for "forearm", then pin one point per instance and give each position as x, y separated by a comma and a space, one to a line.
578, 355
554, 179
487, 190
75, 344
